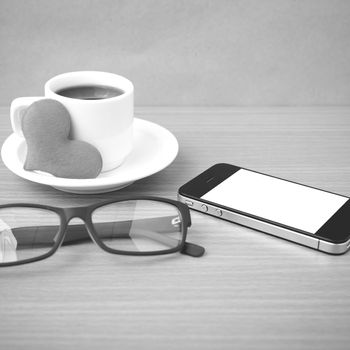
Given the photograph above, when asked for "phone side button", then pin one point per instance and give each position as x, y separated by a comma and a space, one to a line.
204, 208
218, 212
189, 203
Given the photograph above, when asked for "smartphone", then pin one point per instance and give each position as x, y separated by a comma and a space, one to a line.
302, 214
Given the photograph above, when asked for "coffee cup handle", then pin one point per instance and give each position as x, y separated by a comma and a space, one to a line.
17, 110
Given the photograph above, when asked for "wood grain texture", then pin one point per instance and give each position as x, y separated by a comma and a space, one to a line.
250, 290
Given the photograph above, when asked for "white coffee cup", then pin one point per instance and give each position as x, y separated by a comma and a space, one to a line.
104, 123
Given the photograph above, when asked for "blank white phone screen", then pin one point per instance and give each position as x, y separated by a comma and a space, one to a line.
277, 200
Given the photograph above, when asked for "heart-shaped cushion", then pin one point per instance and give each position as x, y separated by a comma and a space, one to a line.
46, 127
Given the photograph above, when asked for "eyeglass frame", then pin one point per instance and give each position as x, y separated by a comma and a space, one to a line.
85, 214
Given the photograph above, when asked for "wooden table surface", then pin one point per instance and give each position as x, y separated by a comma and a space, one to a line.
249, 291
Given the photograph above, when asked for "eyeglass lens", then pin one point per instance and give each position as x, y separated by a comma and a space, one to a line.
26, 233
138, 226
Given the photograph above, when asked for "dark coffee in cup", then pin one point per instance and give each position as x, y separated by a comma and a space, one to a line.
90, 92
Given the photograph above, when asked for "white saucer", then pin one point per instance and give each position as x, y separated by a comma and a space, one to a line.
154, 149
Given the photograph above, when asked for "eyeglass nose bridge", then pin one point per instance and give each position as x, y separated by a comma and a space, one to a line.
75, 212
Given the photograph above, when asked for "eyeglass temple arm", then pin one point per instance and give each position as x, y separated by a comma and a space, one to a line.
77, 233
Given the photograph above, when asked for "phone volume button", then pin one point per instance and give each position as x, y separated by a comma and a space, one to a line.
204, 207
218, 212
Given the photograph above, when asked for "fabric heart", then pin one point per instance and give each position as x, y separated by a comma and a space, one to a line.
46, 127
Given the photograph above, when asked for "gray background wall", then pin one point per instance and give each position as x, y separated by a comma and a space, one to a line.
210, 52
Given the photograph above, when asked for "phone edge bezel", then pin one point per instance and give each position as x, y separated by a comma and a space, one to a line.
236, 168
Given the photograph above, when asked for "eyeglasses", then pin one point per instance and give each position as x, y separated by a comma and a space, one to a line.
127, 226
